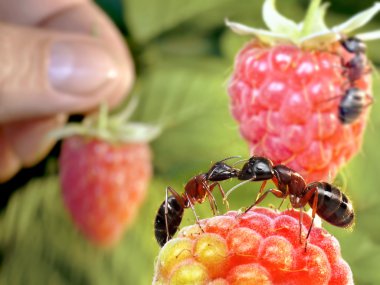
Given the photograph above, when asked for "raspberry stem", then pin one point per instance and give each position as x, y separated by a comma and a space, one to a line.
102, 120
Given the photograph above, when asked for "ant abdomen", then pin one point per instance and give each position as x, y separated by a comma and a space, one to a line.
333, 205
165, 230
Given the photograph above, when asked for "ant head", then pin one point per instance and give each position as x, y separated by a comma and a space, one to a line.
221, 171
257, 169
354, 94
354, 45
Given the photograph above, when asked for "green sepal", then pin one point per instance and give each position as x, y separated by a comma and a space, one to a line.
369, 36
277, 23
314, 20
357, 21
112, 128
264, 36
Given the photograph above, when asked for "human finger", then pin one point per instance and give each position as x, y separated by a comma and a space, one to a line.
24, 143
55, 72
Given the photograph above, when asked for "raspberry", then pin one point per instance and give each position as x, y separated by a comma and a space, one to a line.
105, 167
103, 185
286, 95
247, 252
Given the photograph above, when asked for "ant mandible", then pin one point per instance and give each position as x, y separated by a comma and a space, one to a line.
197, 189
326, 200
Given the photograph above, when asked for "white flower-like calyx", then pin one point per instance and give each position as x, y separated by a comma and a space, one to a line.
310, 33
114, 129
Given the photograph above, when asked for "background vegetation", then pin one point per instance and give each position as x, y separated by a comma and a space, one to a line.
184, 56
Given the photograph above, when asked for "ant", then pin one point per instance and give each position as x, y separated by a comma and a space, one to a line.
197, 189
326, 200
356, 67
354, 100
352, 105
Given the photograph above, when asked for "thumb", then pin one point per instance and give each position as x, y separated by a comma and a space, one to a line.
45, 72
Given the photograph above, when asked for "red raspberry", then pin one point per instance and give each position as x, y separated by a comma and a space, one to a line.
103, 185
104, 175
285, 94
259, 247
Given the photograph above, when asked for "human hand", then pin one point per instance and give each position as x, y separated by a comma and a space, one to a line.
56, 58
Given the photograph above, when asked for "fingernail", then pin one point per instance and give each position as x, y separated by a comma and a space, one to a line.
80, 68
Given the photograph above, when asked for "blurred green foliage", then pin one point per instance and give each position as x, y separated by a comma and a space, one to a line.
184, 56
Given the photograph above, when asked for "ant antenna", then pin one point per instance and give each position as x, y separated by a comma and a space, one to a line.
237, 186
231, 157
239, 161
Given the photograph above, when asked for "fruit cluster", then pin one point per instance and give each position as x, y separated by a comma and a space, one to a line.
260, 247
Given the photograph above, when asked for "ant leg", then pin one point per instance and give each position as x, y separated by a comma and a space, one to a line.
212, 186
166, 214
282, 202
311, 189
300, 224
179, 199
275, 192
314, 207
371, 100
211, 198
195, 214
212, 202
261, 189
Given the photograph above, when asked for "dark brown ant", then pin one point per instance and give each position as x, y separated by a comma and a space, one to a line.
197, 189
325, 200
356, 67
354, 101
352, 104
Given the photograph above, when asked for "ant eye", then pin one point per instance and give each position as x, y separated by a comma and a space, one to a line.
259, 170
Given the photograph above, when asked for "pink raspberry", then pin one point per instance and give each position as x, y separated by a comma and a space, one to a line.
286, 94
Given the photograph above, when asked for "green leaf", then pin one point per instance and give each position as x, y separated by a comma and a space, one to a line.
361, 253
190, 97
249, 11
231, 44
147, 19
40, 245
